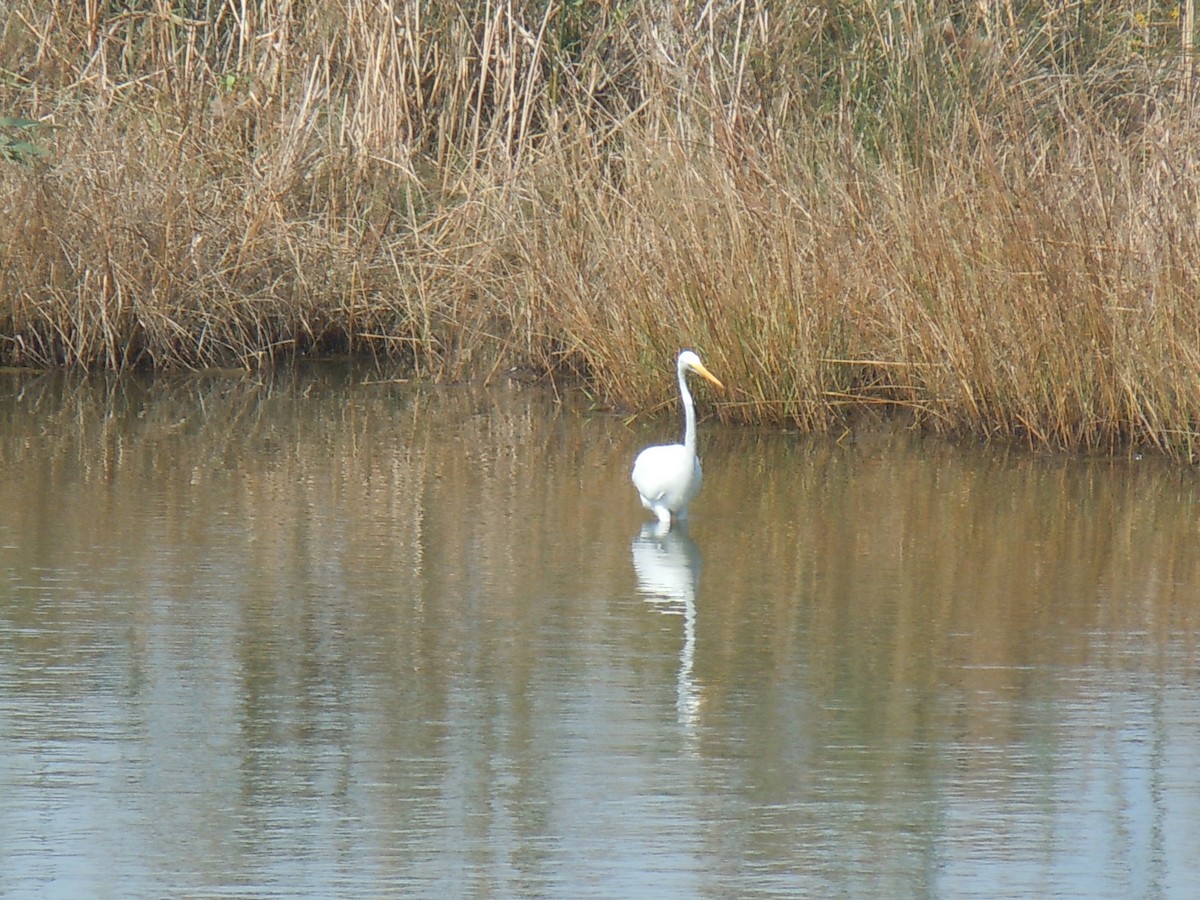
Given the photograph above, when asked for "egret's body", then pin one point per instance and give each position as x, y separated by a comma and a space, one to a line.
668, 476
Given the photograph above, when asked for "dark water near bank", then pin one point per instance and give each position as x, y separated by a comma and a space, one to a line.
308, 637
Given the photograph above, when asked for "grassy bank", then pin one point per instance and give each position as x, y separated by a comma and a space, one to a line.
982, 215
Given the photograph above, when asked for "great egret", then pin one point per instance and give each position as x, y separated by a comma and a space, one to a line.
668, 476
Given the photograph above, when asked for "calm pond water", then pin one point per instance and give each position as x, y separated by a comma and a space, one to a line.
314, 637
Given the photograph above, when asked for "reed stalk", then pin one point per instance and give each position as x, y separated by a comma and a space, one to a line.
981, 216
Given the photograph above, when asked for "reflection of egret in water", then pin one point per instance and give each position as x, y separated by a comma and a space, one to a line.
667, 564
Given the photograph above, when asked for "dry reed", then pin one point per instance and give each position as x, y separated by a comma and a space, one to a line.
984, 216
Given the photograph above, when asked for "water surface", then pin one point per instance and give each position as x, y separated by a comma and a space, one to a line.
322, 634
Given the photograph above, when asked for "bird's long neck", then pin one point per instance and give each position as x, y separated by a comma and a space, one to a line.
689, 414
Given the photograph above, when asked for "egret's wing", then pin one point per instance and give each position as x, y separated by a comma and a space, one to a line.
665, 471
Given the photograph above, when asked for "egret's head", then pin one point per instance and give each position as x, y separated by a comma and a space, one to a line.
689, 361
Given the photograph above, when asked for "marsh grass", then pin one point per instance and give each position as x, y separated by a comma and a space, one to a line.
983, 217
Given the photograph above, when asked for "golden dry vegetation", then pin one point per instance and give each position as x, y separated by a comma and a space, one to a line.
981, 214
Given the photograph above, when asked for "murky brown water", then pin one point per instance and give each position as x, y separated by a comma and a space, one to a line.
309, 637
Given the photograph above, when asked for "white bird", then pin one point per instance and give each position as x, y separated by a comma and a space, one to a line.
668, 476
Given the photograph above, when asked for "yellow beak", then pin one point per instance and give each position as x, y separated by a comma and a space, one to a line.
700, 370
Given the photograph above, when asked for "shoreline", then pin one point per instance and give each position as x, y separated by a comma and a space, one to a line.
990, 226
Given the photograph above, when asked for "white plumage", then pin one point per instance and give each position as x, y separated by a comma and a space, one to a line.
668, 476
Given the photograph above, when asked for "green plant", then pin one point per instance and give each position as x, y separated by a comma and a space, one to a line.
16, 144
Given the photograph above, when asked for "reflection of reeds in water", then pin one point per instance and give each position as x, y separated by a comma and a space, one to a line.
1009, 544
463, 549
436, 499
928, 582
428, 542
991, 533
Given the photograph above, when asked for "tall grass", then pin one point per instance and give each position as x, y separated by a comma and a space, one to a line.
982, 215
